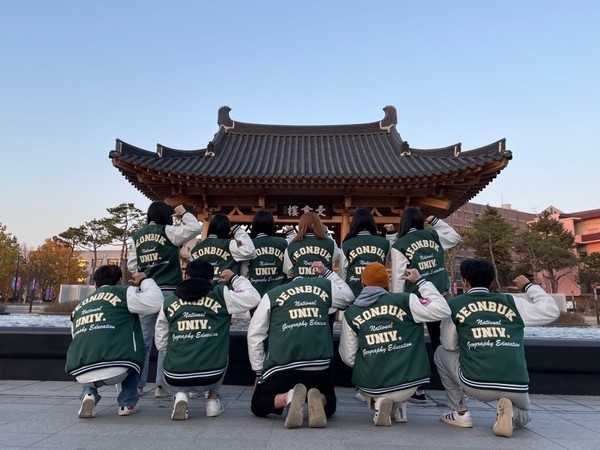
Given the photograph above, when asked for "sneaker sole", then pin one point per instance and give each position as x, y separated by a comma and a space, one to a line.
295, 414
87, 410
385, 409
316, 410
503, 425
180, 411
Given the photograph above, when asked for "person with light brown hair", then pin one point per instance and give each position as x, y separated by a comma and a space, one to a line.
312, 243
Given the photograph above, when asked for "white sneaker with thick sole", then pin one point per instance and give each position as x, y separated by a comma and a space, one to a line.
214, 407
180, 407
87, 410
316, 409
458, 420
399, 412
383, 409
295, 414
504, 419
127, 410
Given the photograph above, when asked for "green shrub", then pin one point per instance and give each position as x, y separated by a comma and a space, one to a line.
569, 318
60, 308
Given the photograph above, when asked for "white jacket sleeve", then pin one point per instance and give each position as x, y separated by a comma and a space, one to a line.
132, 264
241, 246
147, 299
243, 297
258, 330
538, 308
431, 306
448, 335
188, 230
161, 331
399, 266
448, 236
342, 266
341, 294
287, 263
348, 343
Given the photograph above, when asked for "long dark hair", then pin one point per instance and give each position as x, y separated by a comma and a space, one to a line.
220, 225
262, 222
160, 213
411, 218
361, 220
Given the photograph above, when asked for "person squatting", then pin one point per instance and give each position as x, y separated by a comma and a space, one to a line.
290, 342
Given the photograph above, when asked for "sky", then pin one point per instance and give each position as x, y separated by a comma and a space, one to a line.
76, 75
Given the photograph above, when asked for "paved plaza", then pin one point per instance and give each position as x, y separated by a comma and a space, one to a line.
43, 414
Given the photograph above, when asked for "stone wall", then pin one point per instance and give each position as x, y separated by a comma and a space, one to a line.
556, 366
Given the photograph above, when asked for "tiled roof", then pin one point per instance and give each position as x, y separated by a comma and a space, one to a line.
354, 154
582, 215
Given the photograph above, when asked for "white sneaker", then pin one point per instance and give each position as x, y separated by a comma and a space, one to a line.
295, 414
127, 410
504, 418
214, 408
87, 410
399, 412
196, 394
180, 407
360, 397
160, 392
454, 418
316, 409
383, 409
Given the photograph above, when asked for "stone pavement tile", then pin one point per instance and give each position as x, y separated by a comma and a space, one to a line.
36, 414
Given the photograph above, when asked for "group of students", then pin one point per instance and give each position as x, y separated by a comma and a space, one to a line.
290, 286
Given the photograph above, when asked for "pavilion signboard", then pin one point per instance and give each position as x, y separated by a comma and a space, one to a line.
296, 210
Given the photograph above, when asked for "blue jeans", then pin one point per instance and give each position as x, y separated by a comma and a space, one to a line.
128, 395
148, 323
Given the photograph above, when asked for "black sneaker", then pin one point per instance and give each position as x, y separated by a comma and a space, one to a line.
418, 397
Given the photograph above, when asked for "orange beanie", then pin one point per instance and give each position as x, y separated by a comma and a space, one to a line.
375, 274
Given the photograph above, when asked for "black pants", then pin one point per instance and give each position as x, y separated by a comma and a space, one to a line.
263, 400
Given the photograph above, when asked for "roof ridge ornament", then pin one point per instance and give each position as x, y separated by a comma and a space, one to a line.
390, 119
405, 149
457, 149
223, 119
210, 149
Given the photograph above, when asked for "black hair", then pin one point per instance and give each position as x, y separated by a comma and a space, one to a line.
160, 213
361, 220
220, 225
411, 218
262, 222
107, 274
478, 272
199, 268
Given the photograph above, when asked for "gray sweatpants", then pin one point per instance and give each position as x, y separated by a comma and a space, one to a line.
448, 368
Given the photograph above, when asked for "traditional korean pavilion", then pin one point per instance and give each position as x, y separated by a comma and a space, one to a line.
329, 169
